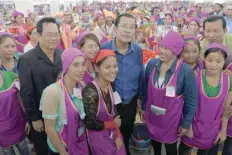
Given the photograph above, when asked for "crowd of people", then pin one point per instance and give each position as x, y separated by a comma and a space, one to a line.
73, 83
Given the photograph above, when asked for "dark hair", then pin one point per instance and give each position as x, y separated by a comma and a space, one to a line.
3, 37
89, 36
215, 18
212, 50
182, 8
196, 42
168, 14
101, 61
39, 26
117, 21
220, 5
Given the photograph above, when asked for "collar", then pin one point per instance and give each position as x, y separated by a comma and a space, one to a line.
172, 68
114, 47
40, 54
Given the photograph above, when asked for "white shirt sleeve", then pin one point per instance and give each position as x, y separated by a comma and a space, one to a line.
27, 48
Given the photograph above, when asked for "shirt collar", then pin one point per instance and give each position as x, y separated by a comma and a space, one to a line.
42, 55
130, 48
172, 68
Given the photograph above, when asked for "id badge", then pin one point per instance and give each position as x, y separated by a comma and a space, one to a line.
81, 130
17, 84
117, 98
77, 93
111, 136
157, 110
170, 91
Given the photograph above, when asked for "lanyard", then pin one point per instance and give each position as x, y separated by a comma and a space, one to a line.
217, 88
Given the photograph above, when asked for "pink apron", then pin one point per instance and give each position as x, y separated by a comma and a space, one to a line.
12, 118
164, 128
103, 142
206, 124
73, 134
87, 77
229, 128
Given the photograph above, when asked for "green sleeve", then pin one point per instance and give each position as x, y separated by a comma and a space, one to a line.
230, 84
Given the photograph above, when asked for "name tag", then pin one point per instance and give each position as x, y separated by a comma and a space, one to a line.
81, 130
17, 85
111, 135
77, 93
170, 91
157, 110
117, 98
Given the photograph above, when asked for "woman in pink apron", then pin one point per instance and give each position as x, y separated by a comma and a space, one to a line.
214, 95
63, 110
170, 95
228, 143
191, 53
99, 29
100, 105
13, 126
89, 44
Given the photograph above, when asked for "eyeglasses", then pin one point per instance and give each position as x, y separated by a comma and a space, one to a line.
50, 35
127, 27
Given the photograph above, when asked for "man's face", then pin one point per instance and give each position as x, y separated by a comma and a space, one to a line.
214, 32
156, 11
167, 20
218, 8
125, 30
50, 36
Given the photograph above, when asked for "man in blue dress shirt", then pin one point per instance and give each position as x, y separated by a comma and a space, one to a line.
129, 81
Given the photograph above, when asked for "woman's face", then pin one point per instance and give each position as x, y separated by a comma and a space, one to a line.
19, 19
29, 22
90, 48
8, 48
180, 21
191, 52
108, 69
166, 55
194, 27
214, 62
34, 35
101, 20
77, 68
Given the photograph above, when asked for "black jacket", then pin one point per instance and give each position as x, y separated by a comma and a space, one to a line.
36, 72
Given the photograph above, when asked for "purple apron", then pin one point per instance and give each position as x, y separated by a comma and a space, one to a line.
229, 127
201, 64
103, 142
164, 128
104, 40
87, 77
206, 124
12, 118
73, 134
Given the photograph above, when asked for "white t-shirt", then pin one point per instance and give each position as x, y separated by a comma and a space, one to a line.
28, 47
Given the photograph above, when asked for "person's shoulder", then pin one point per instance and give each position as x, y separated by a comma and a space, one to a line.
53, 89
136, 46
186, 68
107, 45
153, 62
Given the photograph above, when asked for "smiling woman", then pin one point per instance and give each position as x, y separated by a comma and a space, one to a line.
101, 121
8, 52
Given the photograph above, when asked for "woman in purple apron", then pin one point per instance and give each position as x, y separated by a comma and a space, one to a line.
171, 96
63, 110
214, 95
100, 102
12, 119
89, 44
228, 143
191, 53
9, 56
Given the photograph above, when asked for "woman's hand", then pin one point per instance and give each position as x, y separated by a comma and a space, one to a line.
119, 143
